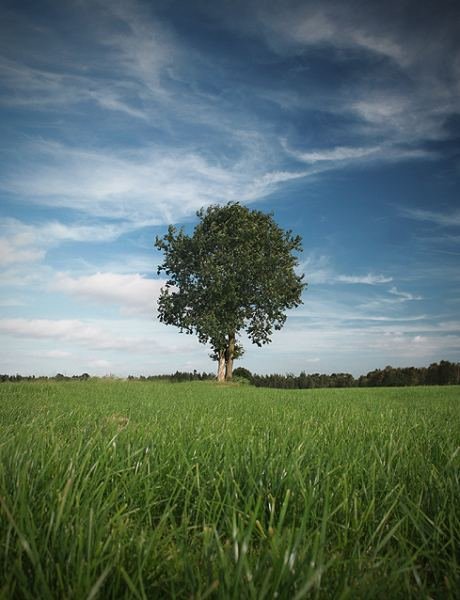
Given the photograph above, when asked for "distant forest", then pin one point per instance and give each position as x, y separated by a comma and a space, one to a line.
442, 373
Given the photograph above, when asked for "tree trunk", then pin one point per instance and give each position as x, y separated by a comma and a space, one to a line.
229, 353
221, 367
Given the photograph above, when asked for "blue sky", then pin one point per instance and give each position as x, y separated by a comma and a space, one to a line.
119, 118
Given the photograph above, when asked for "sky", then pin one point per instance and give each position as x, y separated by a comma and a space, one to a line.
121, 117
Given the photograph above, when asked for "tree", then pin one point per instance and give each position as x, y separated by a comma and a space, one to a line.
243, 373
235, 273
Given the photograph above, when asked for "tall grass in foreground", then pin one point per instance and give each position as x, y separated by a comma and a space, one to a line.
136, 490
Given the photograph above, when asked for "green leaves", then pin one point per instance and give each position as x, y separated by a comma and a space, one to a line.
236, 272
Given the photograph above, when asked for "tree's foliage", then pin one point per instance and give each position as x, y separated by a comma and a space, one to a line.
236, 272
243, 373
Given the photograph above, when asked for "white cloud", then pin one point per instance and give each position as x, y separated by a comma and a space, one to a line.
403, 119
318, 269
130, 346
44, 89
382, 110
398, 298
162, 184
13, 251
446, 219
335, 154
369, 279
28, 243
133, 293
10, 302
149, 186
133, 51
381, 29
329, 23
358, 347
70, 330
404, 296
109, 100
119, 336
327, 307
342, 156
418, 89
144, 49
75, 232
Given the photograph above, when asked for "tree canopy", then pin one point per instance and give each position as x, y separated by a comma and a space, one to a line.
235, 273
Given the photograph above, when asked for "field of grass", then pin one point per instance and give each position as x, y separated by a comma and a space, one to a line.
150, 490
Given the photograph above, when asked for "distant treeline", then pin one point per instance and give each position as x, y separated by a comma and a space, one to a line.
177, 377
442, 373
57, 377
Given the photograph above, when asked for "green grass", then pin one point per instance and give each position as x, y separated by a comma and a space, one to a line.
138, 490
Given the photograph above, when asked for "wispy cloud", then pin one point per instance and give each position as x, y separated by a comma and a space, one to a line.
145, 48
341, 156
28, 243
93, 335
56, 231
316, 23
131, 52
413, 101
11, 302
318, 269
39, 89
404, 296
132, 293
15, 250
334, 154
444, 219
396, 298
166, 182
69, 330
149, 186
399, 344
369, 279
76, 345
345, 309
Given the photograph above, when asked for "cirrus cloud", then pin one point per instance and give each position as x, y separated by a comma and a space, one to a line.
369, 279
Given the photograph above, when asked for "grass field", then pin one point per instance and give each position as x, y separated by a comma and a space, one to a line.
136, 490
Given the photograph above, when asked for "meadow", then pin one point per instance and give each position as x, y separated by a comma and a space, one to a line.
116, 489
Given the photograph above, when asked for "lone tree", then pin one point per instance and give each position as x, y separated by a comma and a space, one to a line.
235, 273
